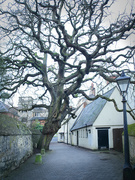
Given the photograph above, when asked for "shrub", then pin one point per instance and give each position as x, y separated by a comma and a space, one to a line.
36, 125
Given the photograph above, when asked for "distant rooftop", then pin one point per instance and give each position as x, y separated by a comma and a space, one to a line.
6, 108
38, 118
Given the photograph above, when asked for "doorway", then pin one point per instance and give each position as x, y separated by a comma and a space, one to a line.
117, 139
103, 142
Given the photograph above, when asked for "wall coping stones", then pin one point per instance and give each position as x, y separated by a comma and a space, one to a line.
11, 127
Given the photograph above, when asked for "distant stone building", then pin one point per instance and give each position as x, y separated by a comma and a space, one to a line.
39, 114
28, 117
25, 103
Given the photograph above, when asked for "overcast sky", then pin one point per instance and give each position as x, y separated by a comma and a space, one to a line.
118, 7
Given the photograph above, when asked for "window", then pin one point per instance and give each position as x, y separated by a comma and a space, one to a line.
60, 136
37, 114
24, 119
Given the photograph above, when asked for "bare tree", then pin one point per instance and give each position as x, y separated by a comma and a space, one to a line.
57, 45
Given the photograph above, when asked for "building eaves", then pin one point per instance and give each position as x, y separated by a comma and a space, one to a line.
74, 112
13, 111
38, 118
39, 110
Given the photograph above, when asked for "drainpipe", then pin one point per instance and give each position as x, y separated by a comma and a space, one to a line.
67, 132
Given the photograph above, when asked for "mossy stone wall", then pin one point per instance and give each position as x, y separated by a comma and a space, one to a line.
131, 130
132, 148
131, 133
15, 144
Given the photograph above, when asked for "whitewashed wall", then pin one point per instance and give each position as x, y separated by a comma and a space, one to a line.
61, 136
67, 127
109, 116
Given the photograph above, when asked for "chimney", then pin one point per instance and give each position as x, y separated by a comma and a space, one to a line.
92, 89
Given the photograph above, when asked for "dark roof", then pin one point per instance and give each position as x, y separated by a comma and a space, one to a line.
5, 108
38, 118
39, 110
90, 113
13, 111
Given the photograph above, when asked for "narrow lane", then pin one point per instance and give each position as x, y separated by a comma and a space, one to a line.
66, 162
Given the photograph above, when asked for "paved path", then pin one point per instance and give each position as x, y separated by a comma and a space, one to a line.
66, 162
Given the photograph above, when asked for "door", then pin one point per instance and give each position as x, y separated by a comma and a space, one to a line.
117, 139
103, 142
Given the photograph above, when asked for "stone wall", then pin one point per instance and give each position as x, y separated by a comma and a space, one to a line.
132, 148
131, 135
15, 144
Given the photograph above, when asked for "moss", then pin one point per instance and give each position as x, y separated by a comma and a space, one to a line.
38, 159
131, 129
42, 152
11, 126
17, 125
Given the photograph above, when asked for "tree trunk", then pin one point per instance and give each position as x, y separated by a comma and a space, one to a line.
45, 140
49, 130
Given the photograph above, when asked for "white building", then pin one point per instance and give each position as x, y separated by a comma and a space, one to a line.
64, 133
99, 125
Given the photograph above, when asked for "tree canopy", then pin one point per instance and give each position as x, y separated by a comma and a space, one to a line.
55, 46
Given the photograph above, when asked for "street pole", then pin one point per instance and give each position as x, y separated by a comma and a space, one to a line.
127, 170
123, 83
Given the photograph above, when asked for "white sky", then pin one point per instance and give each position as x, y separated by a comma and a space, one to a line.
117, 7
